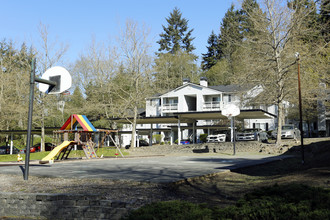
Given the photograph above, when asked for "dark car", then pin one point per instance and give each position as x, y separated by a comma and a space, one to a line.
6, 150
142, 143
37, 147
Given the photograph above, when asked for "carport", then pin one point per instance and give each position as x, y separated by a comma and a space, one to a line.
191, 118
37, 131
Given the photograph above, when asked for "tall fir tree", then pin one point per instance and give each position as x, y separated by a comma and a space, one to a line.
246, 24
212, 56
223, 50
324, 19
175, 59
176, 35
230, 33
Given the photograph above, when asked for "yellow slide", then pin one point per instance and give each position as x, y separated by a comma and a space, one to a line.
55, 152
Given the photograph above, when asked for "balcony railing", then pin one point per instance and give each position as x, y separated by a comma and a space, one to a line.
211, 106
170, 107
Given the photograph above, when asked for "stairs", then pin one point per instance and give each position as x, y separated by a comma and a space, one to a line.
63, 155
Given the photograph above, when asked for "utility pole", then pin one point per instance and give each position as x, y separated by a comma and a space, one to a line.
300, 113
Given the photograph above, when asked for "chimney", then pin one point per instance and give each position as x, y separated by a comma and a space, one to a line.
203, 81
185, 81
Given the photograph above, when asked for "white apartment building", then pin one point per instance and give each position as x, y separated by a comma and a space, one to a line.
193, 109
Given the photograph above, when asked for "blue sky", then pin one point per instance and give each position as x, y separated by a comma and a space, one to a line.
76, 22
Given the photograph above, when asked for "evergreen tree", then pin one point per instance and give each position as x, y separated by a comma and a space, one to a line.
176, 35
171, 69
230, 33
324, 19
246, 24
224, 50
213, 52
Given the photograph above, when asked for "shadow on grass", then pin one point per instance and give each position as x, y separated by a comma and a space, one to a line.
317, 155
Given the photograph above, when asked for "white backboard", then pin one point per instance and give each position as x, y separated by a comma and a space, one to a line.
59, 75
230, 110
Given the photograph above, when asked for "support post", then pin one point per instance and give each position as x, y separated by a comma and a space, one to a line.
150, 135
28, 138
194, 132
179, 132
11, 143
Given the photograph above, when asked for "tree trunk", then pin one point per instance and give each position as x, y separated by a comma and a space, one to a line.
279, 124
133, 141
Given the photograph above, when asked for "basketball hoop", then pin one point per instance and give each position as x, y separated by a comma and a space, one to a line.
230, 111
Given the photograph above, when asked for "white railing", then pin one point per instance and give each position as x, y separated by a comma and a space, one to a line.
211, 106
170, 107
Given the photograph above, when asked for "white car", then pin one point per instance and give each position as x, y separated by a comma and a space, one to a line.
216, 138
288, 131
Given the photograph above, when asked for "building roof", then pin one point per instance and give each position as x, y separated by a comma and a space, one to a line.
74, 120
231, 88
221, 88
190, 117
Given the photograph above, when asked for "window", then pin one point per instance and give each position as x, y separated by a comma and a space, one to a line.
229, 98
216, 99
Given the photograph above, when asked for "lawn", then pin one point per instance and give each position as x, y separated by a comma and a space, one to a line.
106, 152
285, 189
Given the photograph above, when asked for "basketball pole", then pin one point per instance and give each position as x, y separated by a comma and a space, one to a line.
233, 131
28, 138
31, 98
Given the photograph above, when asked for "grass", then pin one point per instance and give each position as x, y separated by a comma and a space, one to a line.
285, 189
106, 152
294, 201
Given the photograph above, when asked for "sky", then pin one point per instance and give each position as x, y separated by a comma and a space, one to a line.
77, 22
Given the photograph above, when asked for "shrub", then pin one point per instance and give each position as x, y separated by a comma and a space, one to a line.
281, 202
203, 137
293, 201
171, 210
157, 138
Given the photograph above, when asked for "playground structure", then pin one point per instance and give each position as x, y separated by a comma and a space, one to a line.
87, 137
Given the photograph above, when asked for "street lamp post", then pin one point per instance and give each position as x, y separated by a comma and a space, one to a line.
300, 112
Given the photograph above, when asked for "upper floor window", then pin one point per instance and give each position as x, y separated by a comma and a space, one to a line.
229, 98
216, 99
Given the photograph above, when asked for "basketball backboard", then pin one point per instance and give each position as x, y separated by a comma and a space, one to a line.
230, 110
59, 75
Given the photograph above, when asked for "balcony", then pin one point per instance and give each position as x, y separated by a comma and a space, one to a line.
170, 107
212, 106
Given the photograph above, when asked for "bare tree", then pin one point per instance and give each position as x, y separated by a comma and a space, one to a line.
93, 73
269, 54
49, 55
14, 69
133, 82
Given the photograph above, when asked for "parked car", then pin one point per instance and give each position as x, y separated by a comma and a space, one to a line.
288, 131
142, 143
216, 138
252, 134
6, 150
37, 147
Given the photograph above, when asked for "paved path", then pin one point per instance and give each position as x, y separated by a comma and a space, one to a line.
149, 169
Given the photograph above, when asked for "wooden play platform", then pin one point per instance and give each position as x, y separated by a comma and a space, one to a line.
78, 132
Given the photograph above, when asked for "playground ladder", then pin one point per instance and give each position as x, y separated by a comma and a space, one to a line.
63, 155
89, 150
